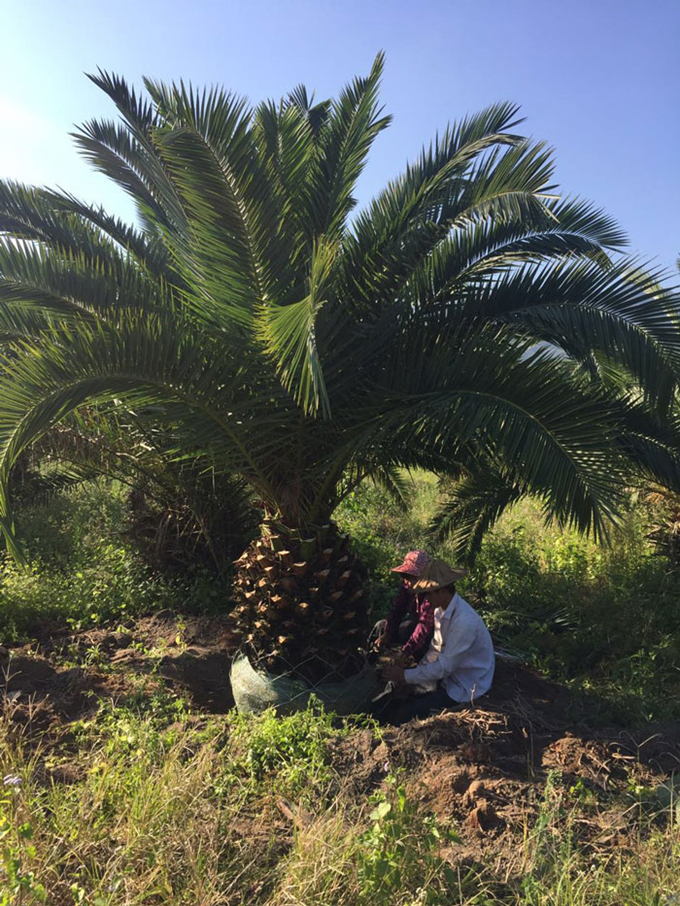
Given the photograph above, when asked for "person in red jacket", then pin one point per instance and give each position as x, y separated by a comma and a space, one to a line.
410, 621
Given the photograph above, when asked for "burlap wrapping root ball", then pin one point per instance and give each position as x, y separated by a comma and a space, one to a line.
256, 690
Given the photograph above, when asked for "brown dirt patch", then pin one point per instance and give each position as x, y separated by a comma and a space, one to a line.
57, 679
486, 769
37, 695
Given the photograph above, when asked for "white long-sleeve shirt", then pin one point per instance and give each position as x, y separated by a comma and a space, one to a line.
460, 654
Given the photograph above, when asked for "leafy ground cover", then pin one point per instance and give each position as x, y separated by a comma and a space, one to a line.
128, 779
84, 571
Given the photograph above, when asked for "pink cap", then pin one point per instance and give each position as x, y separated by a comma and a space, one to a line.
414, 563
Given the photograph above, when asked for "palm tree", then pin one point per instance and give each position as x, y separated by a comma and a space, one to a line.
467, 315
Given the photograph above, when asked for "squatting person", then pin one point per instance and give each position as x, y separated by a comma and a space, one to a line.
410, 621
459, 664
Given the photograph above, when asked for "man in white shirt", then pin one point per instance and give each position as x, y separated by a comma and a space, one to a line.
459, 665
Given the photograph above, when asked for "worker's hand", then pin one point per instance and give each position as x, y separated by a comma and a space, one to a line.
380, 642
393, 675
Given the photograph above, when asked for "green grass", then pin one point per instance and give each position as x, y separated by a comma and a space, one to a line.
163, 809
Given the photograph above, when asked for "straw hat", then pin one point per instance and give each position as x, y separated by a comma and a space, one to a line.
414, 563
438, 574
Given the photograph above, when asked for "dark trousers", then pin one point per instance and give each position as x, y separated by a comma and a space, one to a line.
399, 711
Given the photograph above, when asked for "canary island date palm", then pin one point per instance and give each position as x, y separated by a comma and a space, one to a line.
468, 314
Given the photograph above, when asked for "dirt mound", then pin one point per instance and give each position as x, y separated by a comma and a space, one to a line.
491, 772
490, 769
160, 631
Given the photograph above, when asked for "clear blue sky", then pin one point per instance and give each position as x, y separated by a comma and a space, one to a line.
598, 79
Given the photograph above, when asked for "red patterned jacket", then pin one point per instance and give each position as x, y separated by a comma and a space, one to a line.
405, 605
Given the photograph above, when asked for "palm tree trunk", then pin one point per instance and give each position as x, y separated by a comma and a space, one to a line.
300, 602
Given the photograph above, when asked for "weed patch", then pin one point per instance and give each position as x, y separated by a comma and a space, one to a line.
84, 574
288, 754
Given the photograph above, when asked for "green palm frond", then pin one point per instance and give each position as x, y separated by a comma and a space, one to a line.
316, 115
111, 150
141, 121
72, 283
475, 504
288, 144
353, 123
529, 407
651, 439
619, 311
290, 335
468, 315
69, 226
147, 250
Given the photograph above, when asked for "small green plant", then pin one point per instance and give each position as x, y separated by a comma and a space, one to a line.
400, 851
582, 794
18, 884
180, 639
137, 726
290, 751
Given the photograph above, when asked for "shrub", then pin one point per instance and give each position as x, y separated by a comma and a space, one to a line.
84, 572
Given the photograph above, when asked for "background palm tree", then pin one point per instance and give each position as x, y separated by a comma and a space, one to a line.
467, 321
182, 515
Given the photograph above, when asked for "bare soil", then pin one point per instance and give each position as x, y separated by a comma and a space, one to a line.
486, 769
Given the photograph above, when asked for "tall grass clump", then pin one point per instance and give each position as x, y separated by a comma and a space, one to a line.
142, 819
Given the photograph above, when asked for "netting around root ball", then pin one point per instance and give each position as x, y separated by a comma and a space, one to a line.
255, 689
